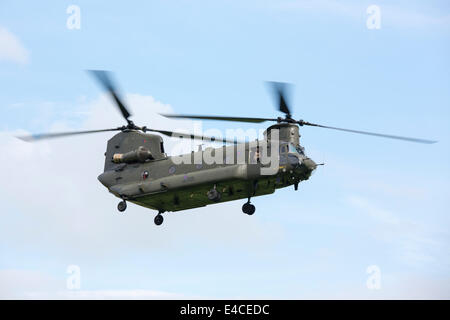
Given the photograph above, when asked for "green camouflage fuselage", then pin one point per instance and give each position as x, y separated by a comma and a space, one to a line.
165, 184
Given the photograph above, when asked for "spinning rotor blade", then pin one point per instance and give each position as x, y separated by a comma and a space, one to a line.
280, 90
104, 77
280, 96
304, 123
192, 136
42, 136
202, 117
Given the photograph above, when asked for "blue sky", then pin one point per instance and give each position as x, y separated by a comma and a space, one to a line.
375, 202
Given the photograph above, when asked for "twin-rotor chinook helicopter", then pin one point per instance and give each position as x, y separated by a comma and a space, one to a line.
138, 170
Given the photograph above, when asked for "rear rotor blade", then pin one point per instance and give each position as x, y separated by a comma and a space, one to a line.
42, 136
418, 140
192, 136
280, 96
221, 118
104, 77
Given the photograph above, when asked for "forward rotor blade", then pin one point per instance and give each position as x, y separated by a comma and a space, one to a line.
220, 118
104, 77
280, 96
42, 136
304, 123
192, 136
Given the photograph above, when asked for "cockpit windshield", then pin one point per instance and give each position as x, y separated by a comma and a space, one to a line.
294, 149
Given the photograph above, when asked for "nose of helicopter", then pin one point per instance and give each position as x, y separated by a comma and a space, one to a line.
310, 164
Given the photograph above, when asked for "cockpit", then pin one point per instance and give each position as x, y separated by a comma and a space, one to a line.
289, 153
292, 149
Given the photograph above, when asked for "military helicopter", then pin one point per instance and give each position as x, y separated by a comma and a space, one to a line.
138, 170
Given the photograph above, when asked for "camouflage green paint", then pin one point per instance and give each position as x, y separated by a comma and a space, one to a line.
164, 185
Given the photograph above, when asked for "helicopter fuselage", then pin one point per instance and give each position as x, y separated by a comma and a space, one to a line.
168, 184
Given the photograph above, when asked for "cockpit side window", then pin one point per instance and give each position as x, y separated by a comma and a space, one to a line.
292, 148
161, 146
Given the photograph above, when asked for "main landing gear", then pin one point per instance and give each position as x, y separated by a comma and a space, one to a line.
159, 218
248, 208
122, 206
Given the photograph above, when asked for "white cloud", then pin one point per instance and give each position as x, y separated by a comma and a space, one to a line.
376, 213
30, 284
415, 244
15, 283
393, 286
11, 48
136, 294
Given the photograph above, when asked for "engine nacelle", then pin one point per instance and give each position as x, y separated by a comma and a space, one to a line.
140, 155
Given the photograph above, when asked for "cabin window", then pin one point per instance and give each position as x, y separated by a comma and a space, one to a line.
283, 154
161, 146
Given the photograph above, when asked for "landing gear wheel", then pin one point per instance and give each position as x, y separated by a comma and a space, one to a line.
122, 206
248, 208
159, 219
